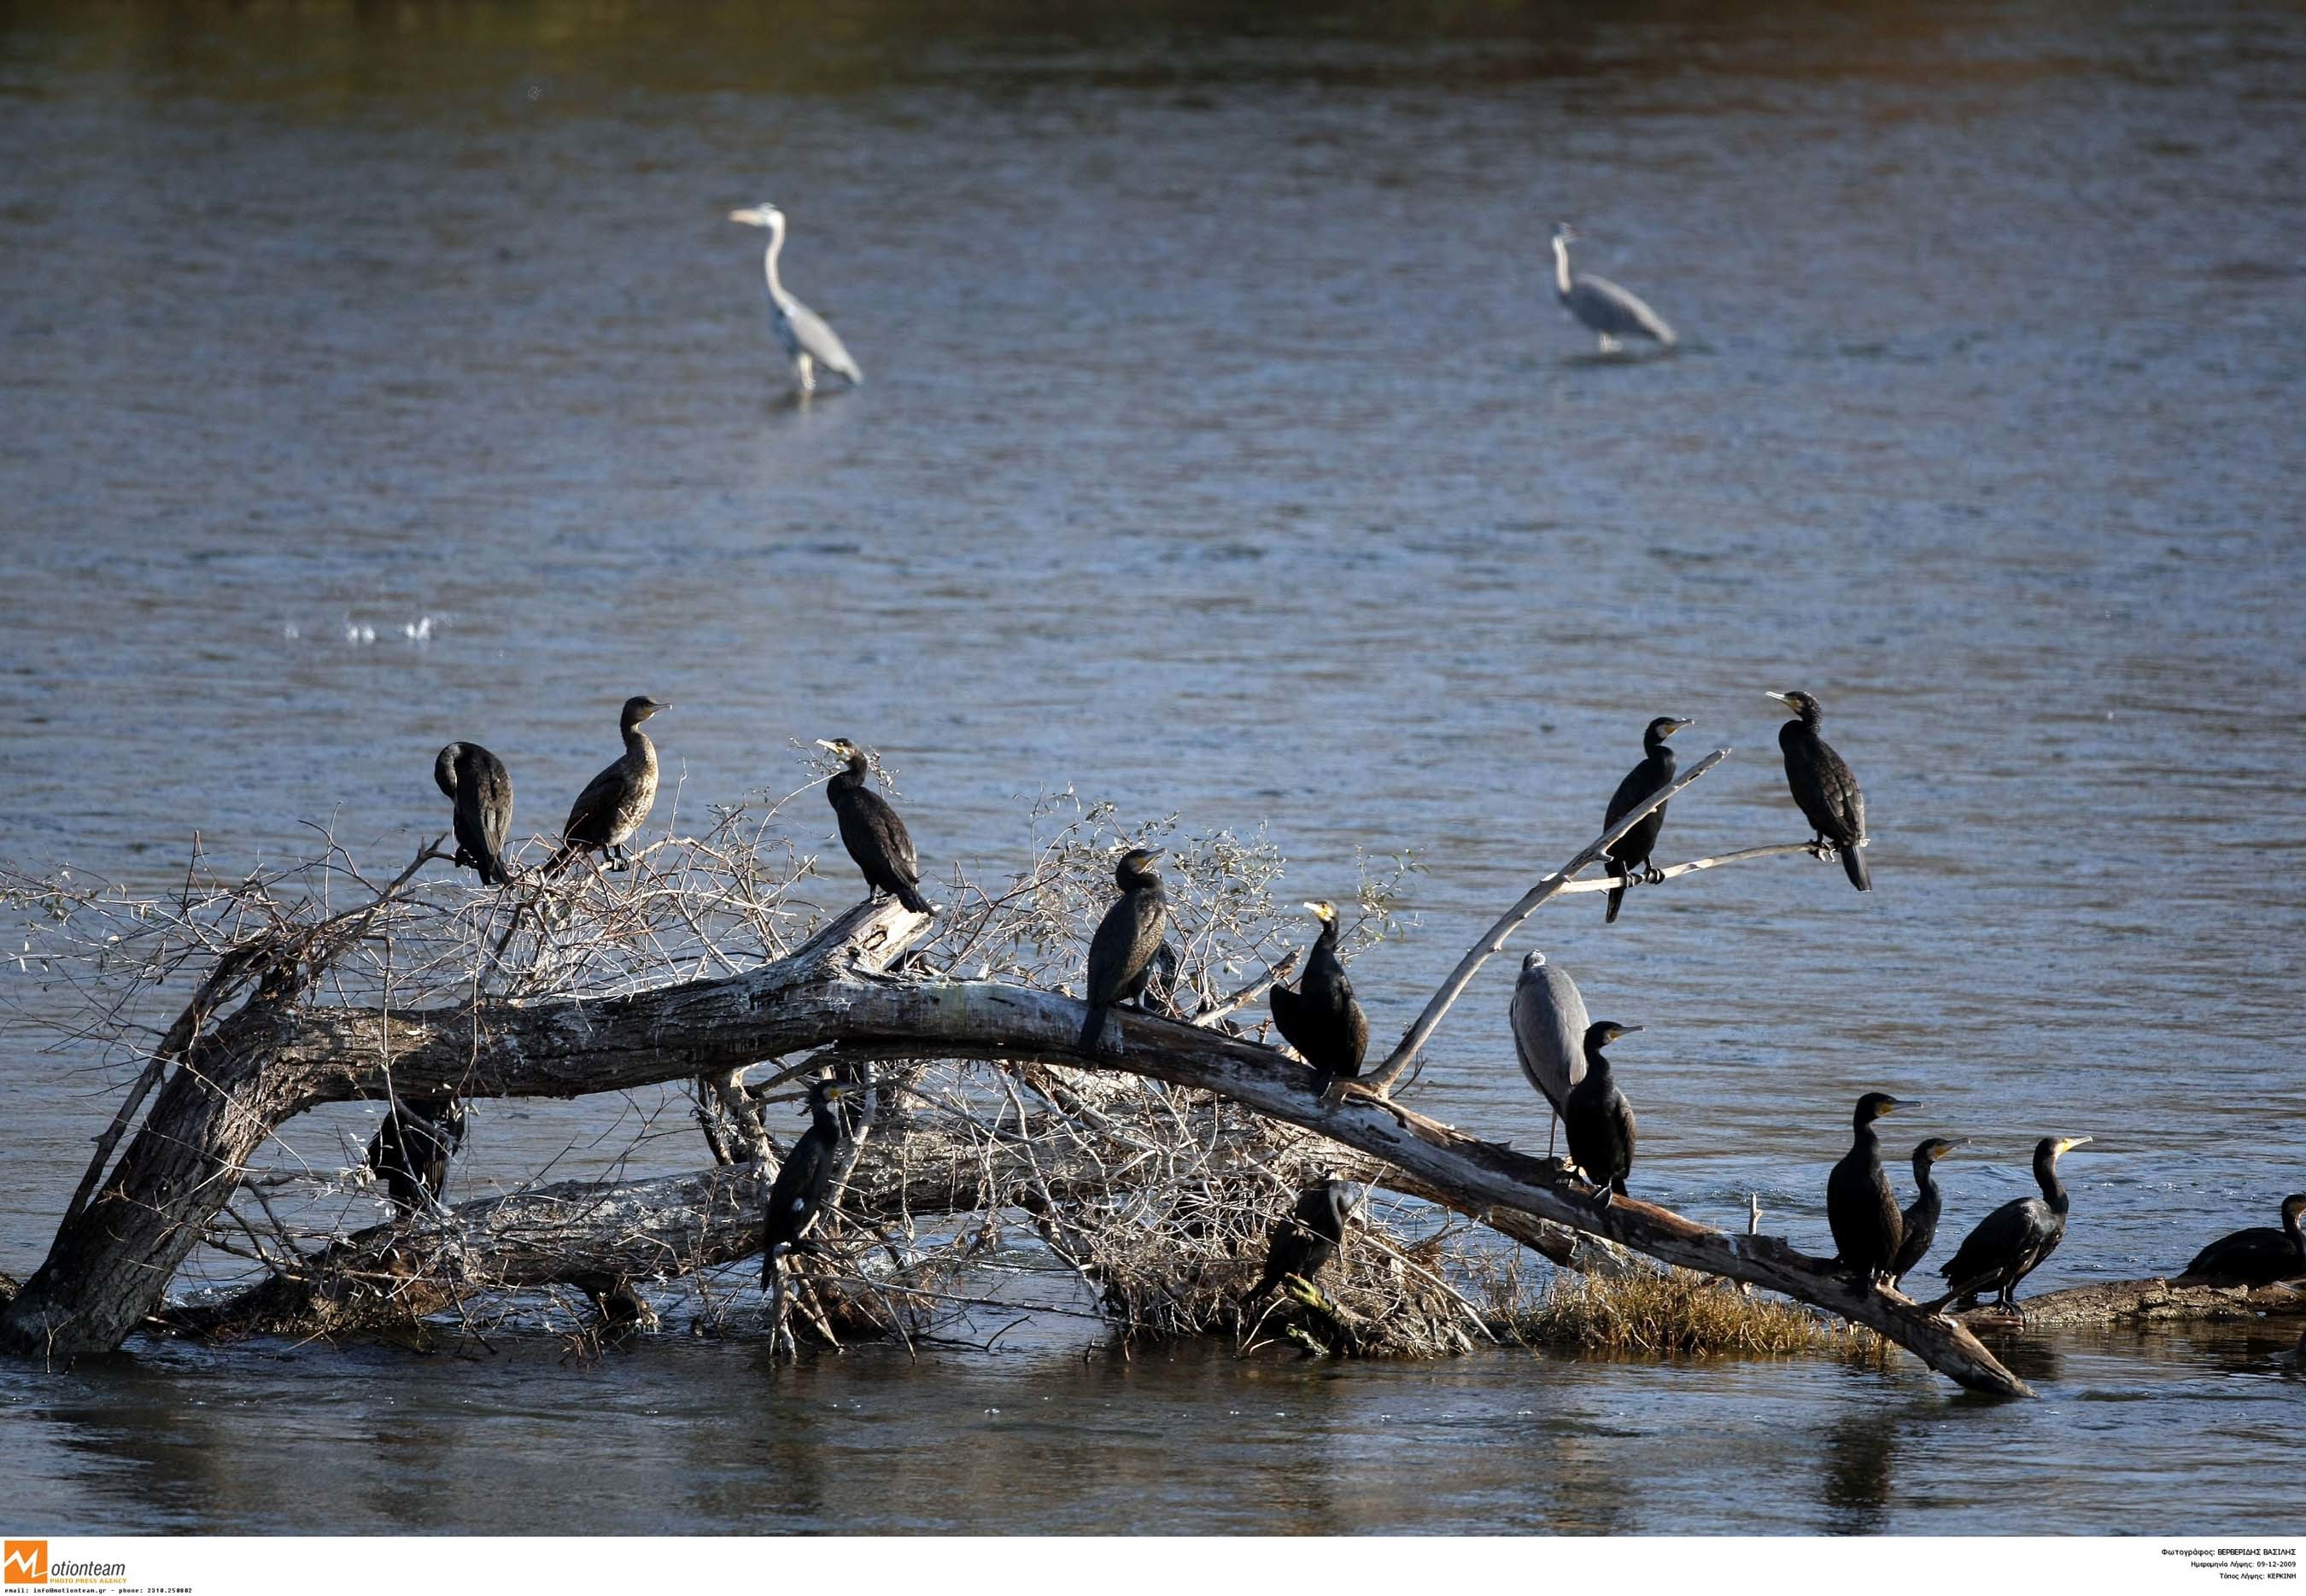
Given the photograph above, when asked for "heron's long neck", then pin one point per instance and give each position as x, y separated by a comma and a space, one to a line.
1562, 264
769, 262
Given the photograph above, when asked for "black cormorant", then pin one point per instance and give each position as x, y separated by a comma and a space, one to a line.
480, 789
611, 808
1321, 1020
410, 1150
1824, 787
2259, 1256
1629, 855
1921, 1217
1121, 954
1598, 1120
870, 830
1548, 1031
2012, 1241
804, 1184
1859, 1204
1303, 1241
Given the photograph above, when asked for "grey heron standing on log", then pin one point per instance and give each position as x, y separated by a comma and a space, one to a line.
1613, 313
1548, 1031
809, 342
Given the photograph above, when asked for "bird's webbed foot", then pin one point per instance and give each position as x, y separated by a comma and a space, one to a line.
1819, 849
1652, 875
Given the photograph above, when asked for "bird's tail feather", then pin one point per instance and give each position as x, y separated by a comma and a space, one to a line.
563, 856
1616, 896
1093, 1029
910, 896
1854, 862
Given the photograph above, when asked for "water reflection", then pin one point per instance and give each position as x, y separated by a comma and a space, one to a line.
1857, 1471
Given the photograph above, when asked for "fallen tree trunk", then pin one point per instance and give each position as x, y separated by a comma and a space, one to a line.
111, 1264
2155, 1301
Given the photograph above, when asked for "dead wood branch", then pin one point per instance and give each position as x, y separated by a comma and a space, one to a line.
1382, 1078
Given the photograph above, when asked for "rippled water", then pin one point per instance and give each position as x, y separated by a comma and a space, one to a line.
392, 376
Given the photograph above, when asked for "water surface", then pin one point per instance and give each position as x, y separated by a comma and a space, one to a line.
385, 377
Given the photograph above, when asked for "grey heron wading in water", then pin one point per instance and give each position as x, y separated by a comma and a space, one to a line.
1613, 313
808, 343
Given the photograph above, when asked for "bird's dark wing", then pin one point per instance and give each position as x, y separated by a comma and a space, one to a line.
1357, 1032
1621, 1114
2259, 1252
2001, 1242
1636, 786
796, 1188
1289, 1016
1124, 945
488, 772
593, 814
1827, 792
879, 827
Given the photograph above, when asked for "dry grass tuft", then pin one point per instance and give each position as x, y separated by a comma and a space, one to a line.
1679, 1312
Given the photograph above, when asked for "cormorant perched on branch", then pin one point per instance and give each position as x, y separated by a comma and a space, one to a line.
871, 831
410, 1150
2012, 1241
1303, 1242
1921, 1217
804, 1185
1598, 1119
1121, 954
1321, 1020
1629, 855
1824, 787
2259, 1256
476, 782
1549, 1029
1859, 1204
615, 803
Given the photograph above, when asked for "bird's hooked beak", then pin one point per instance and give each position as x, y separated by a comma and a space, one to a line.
1784, 698
751, 216
1625, 1030
2067, 1144
1678, 726
1943, 1147
1323, 912
1892, 1104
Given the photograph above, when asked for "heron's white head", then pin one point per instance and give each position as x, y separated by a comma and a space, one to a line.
763, 215
1563, 232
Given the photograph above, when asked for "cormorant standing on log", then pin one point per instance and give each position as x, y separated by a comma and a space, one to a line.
479, 787
1598, 1119
1921, 1217
1121, 954
1303, 1242
1824, 787
870, 830
410, 1150
615, 803
1321, 1020
1859, 1204
804, 1185
2012, 1241
1629, 855
2259, 1256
